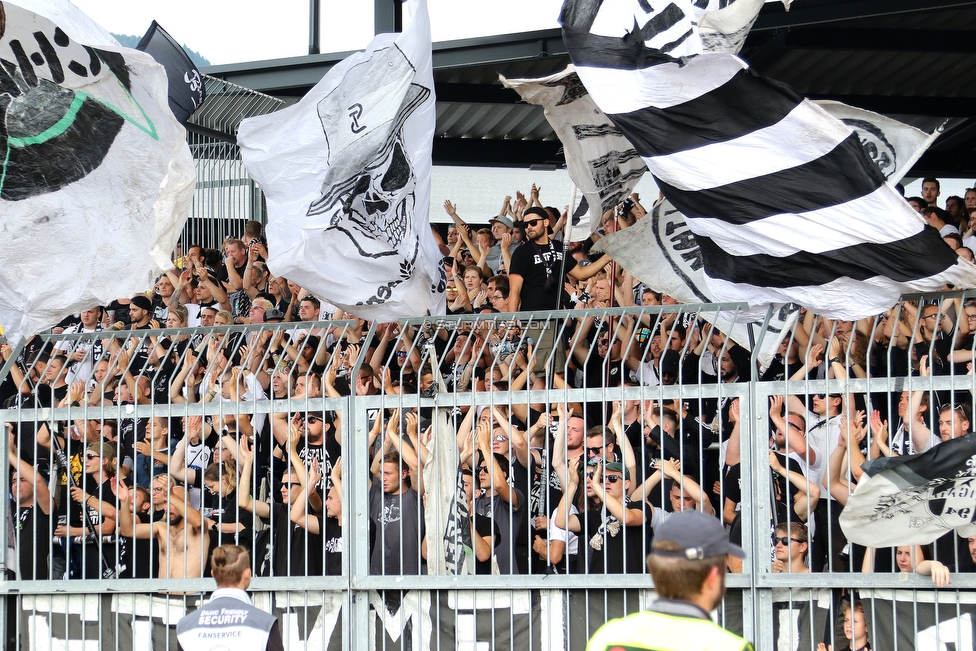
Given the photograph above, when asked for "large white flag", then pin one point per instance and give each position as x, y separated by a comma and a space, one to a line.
346, 172
600, 160
780, 195
894, 146
96, 177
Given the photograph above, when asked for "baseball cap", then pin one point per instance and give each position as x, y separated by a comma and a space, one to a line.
671, 362
503, 220
699, 536
273, 314
618, 467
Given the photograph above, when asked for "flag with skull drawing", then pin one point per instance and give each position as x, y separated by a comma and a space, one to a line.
346, 172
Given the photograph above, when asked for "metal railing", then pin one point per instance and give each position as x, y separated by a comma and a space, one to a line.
493, 395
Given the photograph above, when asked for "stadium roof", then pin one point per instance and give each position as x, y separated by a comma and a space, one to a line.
914, 60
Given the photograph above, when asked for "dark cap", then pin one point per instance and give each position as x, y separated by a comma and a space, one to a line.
142, 301
273, 314
618, 467
699, 536
670, 362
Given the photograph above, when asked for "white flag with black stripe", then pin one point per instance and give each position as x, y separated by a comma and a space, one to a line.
781, 197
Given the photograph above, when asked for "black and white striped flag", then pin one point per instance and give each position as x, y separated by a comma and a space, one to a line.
784, 202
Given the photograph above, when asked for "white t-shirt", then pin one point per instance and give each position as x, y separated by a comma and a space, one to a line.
566, 536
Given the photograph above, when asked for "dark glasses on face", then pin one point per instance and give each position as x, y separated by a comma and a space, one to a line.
91, 455
314, 419
532, 222
481, 469
785, 540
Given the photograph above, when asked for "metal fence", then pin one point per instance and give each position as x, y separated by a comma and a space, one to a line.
465, 442
225, 196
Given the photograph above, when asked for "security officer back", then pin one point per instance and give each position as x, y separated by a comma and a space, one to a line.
688, 562
229, 621
672, 625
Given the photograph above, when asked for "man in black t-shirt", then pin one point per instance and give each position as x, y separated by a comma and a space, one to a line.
534, 279
32, 504
616, 535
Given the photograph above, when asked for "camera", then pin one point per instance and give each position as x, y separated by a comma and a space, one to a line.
628, 206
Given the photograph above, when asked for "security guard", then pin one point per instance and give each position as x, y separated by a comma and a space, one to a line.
688, 561
229, 621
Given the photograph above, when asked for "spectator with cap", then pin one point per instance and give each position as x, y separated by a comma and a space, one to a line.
501, 226
688, 561
616, 534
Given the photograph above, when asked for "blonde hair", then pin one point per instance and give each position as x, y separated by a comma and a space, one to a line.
228, 564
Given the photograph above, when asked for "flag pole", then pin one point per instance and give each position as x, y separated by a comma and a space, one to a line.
562, 263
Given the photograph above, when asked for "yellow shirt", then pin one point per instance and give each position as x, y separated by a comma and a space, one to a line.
658, 631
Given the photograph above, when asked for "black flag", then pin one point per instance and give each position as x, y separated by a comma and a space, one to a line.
186, 89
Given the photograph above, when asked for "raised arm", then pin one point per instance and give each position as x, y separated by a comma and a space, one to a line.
42, 493
672, 470
562, 518
244, 498
616, 426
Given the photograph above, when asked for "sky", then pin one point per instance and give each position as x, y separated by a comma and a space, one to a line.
236, 31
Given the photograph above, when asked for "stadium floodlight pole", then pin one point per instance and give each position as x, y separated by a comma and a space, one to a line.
314, 22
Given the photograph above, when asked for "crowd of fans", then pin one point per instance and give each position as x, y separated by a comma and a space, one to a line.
545, 487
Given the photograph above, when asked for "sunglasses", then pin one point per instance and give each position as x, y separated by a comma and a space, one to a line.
785, 540
500, 438
597, 450
91, 455
612, 479
532, 222
481, 469
289, 484
314, 419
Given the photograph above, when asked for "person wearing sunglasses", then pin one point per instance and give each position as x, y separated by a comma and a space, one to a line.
534, 275
91, 512
617, 532
798, 622
296, 550
790, 546
502, 503
536, 278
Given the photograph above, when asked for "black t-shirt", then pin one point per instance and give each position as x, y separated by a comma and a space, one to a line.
486, 528
327, 452
333, 545
224, 510
296, 551
608, 547
537, 264
33, 541
597, 373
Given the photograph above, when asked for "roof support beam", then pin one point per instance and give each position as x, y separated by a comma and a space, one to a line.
895, 40
816, 12
497, 153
